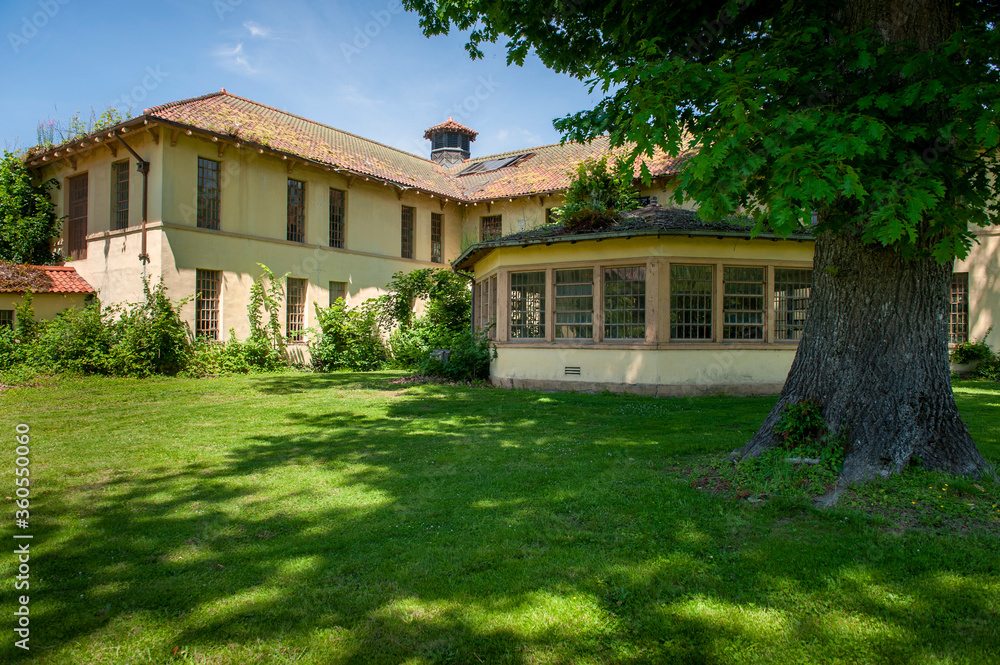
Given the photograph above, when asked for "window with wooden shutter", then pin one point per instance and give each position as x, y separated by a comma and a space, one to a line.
76, 222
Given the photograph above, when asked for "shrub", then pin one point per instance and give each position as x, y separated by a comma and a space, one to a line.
971, 351
78, 340
470, 358
349, 338
149, 338
596, 195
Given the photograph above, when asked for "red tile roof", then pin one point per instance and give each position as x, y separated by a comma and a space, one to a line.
452, 126
41, 279
547, 169
228, 114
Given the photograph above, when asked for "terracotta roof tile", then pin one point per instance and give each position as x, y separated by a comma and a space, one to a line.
41, 279
547, 168
451, 125
225, 113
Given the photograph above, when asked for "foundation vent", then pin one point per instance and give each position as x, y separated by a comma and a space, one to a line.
572, 371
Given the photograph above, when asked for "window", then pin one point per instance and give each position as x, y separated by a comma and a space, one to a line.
76, 232
527, 305
337, 231
691, 302
406, 233
6, 318
791, 299
208, 193
295, 310
296, 211
958, 320
338, 291
625, 303
550, 216
486, 301
119, 195
436, 224
743, 303
491, 227
643, 201
575, 304
208, 288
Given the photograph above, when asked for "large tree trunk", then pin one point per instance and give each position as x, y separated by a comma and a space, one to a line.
874, 354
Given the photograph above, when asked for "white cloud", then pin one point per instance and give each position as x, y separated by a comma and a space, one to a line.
234, 58
518, 136
257, 30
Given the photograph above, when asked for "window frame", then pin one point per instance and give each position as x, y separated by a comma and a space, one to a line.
297, 316
711, 309
541, 324
657, 301
203, 279
407, 227
208, 199
437, 237
645, 304
959, 288
343, 292
338, 219
726, 324
118, 211
496, 220
295, 229
77, 226
7, 318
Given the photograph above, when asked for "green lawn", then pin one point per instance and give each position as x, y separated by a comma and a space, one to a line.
301, 518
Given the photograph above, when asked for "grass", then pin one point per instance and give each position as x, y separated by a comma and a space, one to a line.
300, 518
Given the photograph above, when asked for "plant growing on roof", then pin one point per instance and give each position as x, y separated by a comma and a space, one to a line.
597, 195
28, 222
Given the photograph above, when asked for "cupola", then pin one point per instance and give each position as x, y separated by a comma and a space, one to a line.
450, 142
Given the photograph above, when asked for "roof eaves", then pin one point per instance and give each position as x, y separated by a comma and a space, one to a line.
487, 247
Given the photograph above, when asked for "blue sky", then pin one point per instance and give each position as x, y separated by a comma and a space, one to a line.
364, 67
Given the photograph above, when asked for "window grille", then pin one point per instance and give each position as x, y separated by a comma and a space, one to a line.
791, 301
208, 285
296, 210
690, 302
337, 210
338, 290
437, 221
6, 318
491, 227
743, 303
527, 305
295, 310
625, 302
958, 320
208, 193
574, 295
119, 195
406, 234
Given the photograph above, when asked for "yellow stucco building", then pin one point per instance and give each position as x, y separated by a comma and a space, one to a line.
230, 183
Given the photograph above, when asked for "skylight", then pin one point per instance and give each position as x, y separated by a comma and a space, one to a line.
494, 164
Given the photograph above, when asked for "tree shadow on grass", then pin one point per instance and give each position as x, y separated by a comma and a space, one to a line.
457, 525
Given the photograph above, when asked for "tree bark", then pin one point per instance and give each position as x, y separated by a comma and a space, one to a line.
874, 354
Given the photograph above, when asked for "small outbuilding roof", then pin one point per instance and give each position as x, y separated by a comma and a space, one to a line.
651, 220
450, 125
41, 279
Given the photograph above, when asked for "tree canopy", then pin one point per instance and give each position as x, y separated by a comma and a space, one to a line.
880, 117
28, 222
